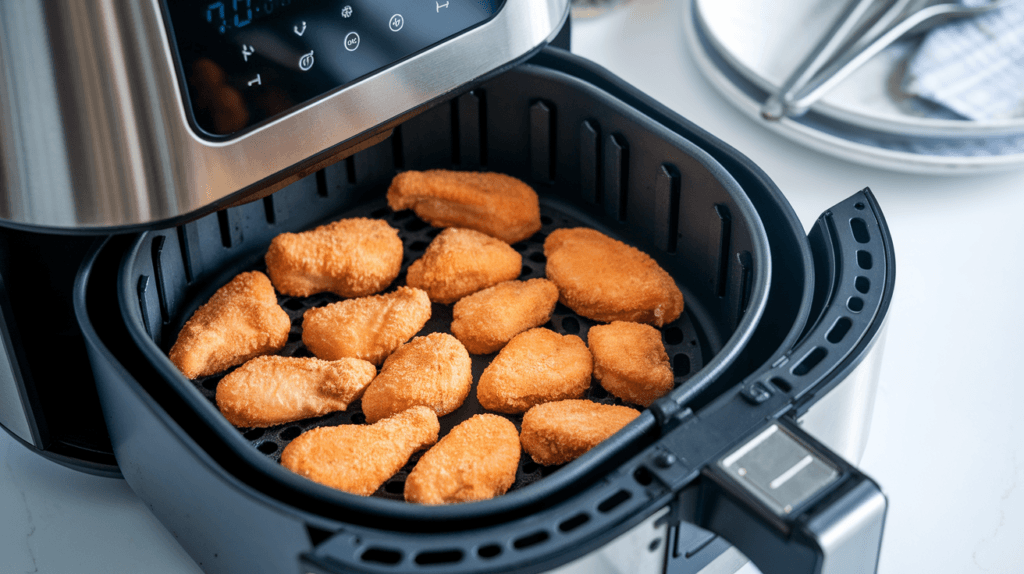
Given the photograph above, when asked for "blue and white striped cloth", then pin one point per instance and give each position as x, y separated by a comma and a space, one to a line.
973, 67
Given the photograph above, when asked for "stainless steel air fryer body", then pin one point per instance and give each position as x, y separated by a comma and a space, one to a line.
94, 133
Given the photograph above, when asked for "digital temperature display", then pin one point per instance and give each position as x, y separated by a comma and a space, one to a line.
234, 14
245, 62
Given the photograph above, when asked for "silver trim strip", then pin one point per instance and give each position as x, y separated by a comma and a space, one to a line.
116, 148
12, 410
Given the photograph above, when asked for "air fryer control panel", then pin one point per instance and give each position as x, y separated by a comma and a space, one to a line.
246, 62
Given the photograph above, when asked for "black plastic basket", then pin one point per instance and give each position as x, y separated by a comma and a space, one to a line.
594, 162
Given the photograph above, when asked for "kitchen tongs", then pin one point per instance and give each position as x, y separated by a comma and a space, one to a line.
863, 29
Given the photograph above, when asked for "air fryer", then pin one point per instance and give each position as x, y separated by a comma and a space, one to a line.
777, 324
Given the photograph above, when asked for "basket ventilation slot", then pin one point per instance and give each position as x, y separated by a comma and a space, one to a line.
839, 330
531, 540
268, 209
469, 124
158, 276
542, 141
860, 230
666, 222
864, 260
488, 551
614, 500
381, 556
724, 239
616, 161
439, 557
590, 161
574, 522
809, 361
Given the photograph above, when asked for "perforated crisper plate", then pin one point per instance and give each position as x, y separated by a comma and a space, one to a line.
680, 338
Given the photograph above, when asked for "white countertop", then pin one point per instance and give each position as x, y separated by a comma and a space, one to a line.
947, 438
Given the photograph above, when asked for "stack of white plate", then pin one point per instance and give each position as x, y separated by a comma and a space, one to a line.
747, 48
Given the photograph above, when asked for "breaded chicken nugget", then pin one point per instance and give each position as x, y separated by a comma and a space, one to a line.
360, 458
433, 371
607, 280
350, 257
630, 361
537, 366
499, 205
241, 321
368, 328
558, 432
477, 460
485, 321
459, 262
269, 391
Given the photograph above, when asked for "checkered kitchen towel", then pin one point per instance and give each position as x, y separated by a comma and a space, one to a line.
974, 67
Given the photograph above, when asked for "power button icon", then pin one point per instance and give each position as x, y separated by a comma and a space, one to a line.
396, 22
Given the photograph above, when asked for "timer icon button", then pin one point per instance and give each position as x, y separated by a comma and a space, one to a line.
351, 41
396, 22
306, 61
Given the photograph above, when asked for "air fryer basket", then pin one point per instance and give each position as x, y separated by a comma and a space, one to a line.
594, 163
600, 154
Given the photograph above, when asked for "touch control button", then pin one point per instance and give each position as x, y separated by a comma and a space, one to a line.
306, 61
396, 22
351, 41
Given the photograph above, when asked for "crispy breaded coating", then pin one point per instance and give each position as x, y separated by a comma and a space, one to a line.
499, 205
360, 458
433, 371
350, 257
630, 361
476, 460
241, 321
269, 391
537, 366
486, 320
368, 328
607, 280
558, 432
459, 262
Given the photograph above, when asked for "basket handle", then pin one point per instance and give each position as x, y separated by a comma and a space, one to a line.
792, 506
785, 500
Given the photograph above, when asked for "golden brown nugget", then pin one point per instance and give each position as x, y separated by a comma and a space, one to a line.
269, 391
607, 280
499, 205
368, 328
241, 321
477, 460
433, 371
486, 320
350, 257
558, 432
537, 366
360, 458
630, 361
459, 262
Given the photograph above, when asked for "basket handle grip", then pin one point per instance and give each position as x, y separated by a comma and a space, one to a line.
792, 506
